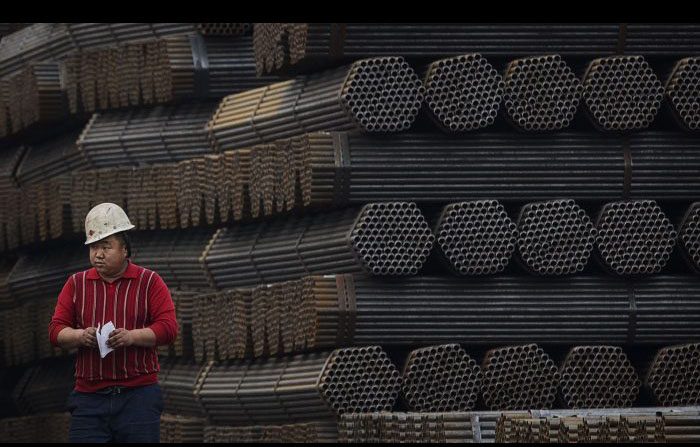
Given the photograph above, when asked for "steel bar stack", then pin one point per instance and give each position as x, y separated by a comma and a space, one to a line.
303, 432
672, 376
54, 428
441, 378
299, 388
475, 238
682, 92
689, 236
554, 237
598, 376
541, 93
374, 95
178, 429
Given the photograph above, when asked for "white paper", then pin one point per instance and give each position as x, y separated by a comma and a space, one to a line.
102, 336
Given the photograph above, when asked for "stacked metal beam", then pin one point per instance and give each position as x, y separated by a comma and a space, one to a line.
185, 305
634, 237
303, 432
390, 238
299, 388
146, 135
219, 325
475, 238
463, 92
392, 428
541, 93
674, 375
375, 95
518, 378
689, 236
598, 376
36, 428
622, 93
682, 92
179, 380
309, 46
441, 378
178, 429
554, 237
9, 159
45, 387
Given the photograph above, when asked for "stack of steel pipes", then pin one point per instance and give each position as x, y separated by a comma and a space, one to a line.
673, 375
375, 95
44, 388
682, 92
302, 432
185, 303
178, 429
390, 238
302, 47
179, 380
689, 236
301, 388
36, 428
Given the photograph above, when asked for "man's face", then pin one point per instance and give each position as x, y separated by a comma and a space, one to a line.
108, 255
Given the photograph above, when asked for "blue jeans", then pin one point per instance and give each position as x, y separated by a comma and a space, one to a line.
126, 415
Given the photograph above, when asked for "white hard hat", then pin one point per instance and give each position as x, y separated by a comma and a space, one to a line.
104, 220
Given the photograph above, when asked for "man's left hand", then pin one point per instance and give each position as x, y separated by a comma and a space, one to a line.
120, 338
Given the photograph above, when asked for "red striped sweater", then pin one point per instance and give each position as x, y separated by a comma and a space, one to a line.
137, 300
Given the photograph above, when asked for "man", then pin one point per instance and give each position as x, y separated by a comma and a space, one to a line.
116, 398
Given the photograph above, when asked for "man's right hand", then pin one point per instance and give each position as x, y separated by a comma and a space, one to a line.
88, 337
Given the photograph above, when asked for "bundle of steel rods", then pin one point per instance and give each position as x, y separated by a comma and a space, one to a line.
178, 429
423, 427
179, 380
673, 375
554, 237
299, 388
50, 158
463, 92
634, 237
441, 378
622, 93
54, 41
295, 47
146, 135
519, 377
390, 238
375, 95
220, 325
339, 167
475, 238
185, 305
689, 236
302, 432
582, 309
541, 93
598, 376
159, 71
682, 92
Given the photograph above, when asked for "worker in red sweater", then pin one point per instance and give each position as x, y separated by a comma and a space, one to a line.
116, 398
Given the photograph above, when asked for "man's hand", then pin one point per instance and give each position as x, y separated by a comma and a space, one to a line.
120, 338
88, 337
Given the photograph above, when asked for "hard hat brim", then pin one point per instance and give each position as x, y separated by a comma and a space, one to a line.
108, 234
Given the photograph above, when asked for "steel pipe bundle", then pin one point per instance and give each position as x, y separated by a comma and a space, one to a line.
689, 236
44, 388
554, 237
622, 93
475, 238
390, 238
541, 93
375, 95
299, 388
581, 309
50, 158
598, 376
674, 375
441, 378
175, 428
179, 381
518, 378
682, 92
146, 135
220, 325
36, 428
340, 168
9, 159
394, 427
634, 237
463, 92
301, 47
175, 68
303, 432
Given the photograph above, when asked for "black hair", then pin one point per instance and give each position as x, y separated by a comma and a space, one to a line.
126, 241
